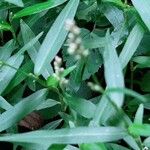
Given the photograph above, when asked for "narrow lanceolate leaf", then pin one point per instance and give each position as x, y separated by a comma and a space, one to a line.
131, 45
70, 147
5, 26
131, 141
55, 37
28, 35
21, 75
68, 136
47, 104
140, 129
113, 70
118, 147
29, 44
81, 106
142, 61
114, 15
6, 50
115, 2
143, 7
139, 115
7, 72
114, 78
16, 2
20, 110
37, 8
93, 146
147, 142
4, 104
52, 125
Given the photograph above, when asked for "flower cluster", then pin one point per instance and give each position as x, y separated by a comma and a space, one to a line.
59, 71
74, 41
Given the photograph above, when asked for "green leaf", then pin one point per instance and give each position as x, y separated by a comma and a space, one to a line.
131, 141
106, 111
70, 147
147, 142
118, 147
76, 75
52, 125
113, 71
139, 115
21, 75
5, 26
140, 129
6, 50
30, 44
21, 109
28, 35
81, 106
55, 37
131, 45
94, 146
68, 136
144, 84
143, 61
114, 15
52, 81
16, 2
4, 104
7, 73
92, 64
68, 71
115, 2
143, 6
94, 42
37, 8
129, 92
47, 103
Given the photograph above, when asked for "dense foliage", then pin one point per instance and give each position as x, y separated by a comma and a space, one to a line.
74, 85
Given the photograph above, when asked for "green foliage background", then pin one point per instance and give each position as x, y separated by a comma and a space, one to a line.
117, 35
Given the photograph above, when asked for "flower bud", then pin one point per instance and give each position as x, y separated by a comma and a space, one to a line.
85, 53
58, 60
70, 51
76, 30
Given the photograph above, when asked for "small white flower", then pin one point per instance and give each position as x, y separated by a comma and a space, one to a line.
58, 60
55, 64
56, 69
73, 46
71, 51
64, 81
145, 148
85, 53
90, 84
61, 70
69, 24
78, 57
76, 30
96, 88
78, 40
71, 36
